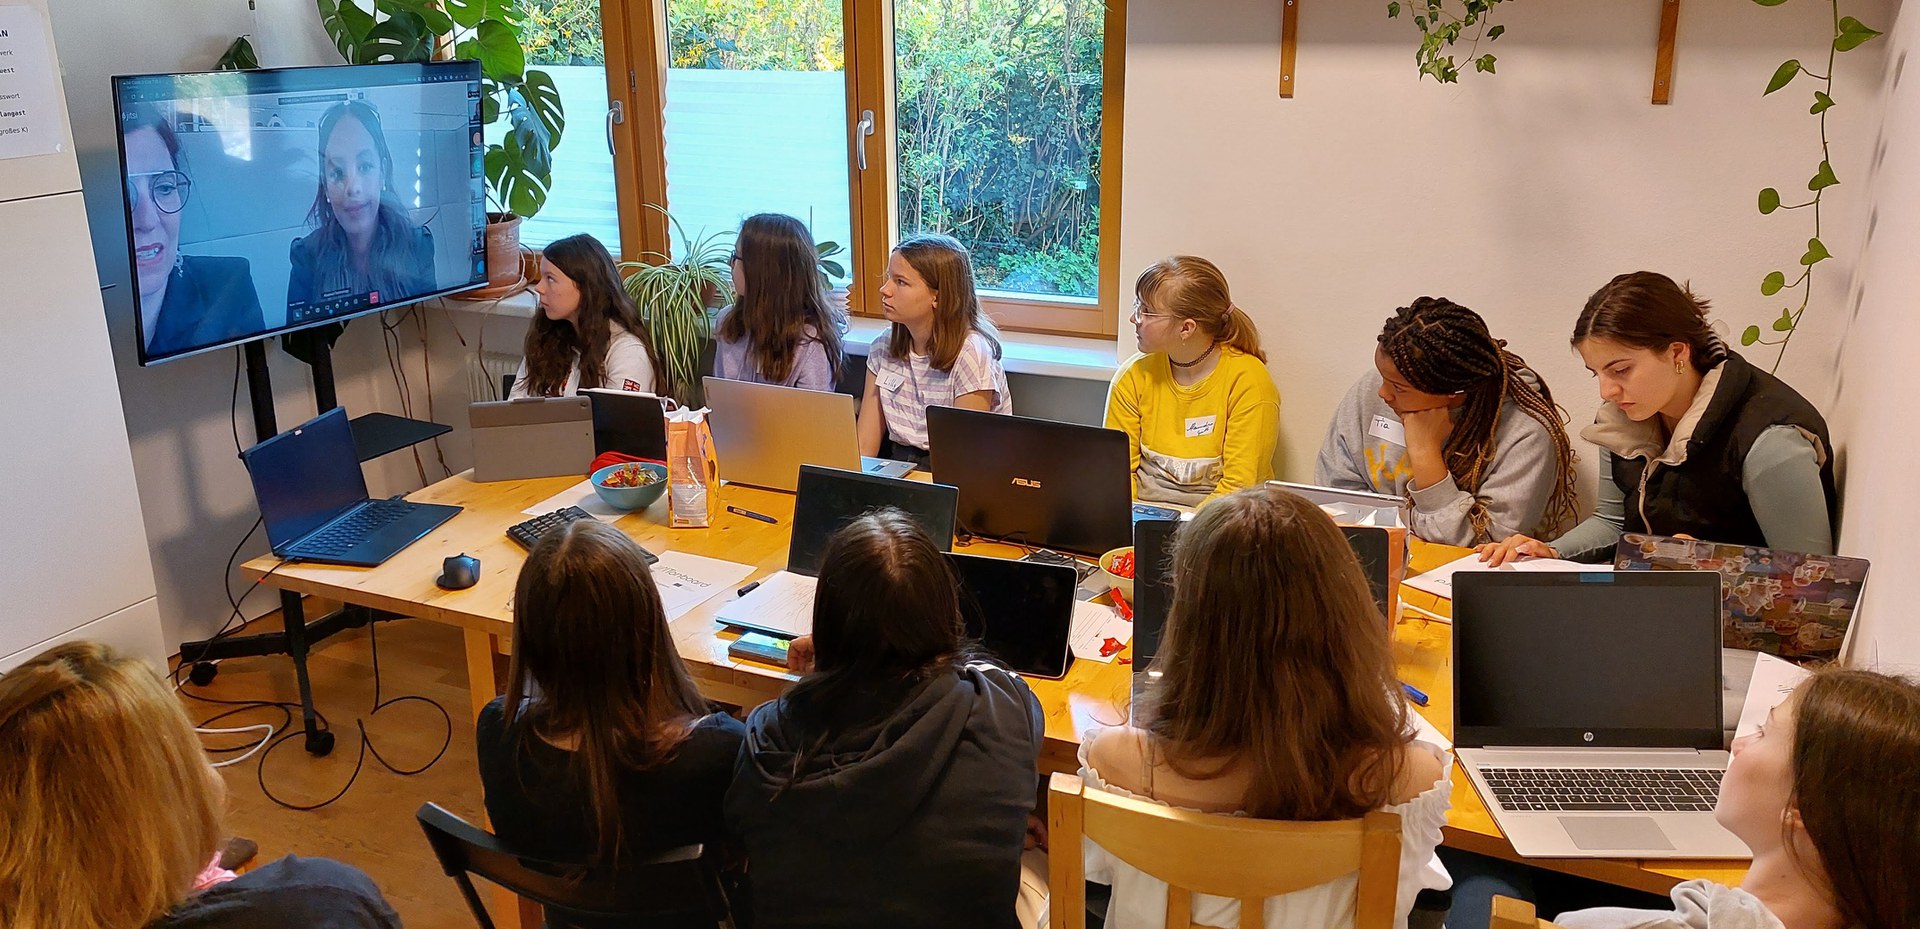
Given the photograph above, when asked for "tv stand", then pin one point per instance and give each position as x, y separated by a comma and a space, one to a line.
374, 435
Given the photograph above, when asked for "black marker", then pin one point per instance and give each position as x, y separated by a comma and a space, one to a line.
752, 515
746, 590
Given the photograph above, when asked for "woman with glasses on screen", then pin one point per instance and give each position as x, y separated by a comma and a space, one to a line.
185, 303
363, 243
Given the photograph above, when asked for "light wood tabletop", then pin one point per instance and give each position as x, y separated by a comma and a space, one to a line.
1091, 695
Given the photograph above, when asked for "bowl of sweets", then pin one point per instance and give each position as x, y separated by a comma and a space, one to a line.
633, 485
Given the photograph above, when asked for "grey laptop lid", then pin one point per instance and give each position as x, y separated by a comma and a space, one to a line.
531, 437
763, 433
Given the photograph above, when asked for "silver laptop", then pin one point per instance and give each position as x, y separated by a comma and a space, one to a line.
531, 437
1588, 710
763, 433
1352, 507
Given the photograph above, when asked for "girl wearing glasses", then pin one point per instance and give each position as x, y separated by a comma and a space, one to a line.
363, 243
1201, 414
185, 302
780, 329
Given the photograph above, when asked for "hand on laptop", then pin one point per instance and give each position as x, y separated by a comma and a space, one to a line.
1514, 548
800, 655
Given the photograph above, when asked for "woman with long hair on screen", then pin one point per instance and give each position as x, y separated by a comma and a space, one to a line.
185, 303
362, 243
588, 332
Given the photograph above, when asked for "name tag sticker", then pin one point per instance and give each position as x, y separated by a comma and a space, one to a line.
891, 380
1199, 426
1389, 430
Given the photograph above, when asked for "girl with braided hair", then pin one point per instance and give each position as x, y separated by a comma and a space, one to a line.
1457, 424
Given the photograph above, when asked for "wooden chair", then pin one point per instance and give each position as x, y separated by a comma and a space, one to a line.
1509, 913
1225, 856
679, 885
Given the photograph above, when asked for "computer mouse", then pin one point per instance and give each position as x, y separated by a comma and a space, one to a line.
459, 572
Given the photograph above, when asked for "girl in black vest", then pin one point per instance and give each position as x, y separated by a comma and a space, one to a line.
1694, 440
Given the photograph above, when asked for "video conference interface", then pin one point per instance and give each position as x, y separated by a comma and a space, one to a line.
260, 202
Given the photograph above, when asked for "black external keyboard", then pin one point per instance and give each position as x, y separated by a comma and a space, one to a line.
356, 528
1654, 790
529, 533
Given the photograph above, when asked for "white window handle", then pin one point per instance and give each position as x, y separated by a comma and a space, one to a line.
861, 130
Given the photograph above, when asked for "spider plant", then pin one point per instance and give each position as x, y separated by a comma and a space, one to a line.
675, 299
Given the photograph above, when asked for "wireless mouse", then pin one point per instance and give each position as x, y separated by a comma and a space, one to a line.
459, 572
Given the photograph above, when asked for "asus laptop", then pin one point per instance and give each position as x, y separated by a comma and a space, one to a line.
313, 498
829, 498
763, 433
1035, 481
1021, 611
1588, 710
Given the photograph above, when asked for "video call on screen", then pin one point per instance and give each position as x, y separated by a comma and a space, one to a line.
264, 201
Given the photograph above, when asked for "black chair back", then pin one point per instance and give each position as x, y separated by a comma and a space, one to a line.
677, 887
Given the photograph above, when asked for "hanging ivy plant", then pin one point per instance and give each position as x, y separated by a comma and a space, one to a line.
1848, 34
1443, 23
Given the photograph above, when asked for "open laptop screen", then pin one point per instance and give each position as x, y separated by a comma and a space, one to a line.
1571, 659
1018, 482
828, 498
305, 476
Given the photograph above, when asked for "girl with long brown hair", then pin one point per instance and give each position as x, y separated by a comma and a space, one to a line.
941, 350
1456, 424
780, 328
363, 242
1277, 698
602, 748
1200, 411
1827, 795
588, 332
109, 812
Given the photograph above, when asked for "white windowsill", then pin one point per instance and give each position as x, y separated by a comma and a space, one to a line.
1023, 352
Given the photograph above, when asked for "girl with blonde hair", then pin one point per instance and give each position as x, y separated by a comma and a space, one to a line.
1200, 412
109, 812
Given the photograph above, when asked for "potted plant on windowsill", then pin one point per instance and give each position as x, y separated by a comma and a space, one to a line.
677, 302
519, 167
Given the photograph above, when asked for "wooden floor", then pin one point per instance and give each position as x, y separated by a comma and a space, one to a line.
372, 827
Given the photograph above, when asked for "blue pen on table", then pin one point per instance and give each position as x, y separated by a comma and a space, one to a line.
1414, 694
752, 515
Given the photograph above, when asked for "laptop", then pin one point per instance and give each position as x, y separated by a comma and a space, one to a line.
313, 498
1035, 481
1021, 611
827, 499
763, 433
1790, 605
1352, 507
530, 437
1588, 711
629, 423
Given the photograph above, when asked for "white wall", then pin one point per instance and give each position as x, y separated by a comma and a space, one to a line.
1872, 414
1516, 194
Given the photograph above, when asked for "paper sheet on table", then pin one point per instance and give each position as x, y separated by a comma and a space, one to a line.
1093, 625
1439, 581
1773, 680
580, 495
1425, 731
783, 601
686, 581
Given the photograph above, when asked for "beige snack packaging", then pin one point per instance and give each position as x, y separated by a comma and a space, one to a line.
693, 473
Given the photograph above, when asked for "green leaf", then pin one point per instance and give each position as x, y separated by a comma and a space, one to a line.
515, 183
1769, 200
1483, 63
403, 37
1853, 34
489, 109
1816, 253
501, 57
1496, 32
1752, 333
1783, 74
1821, 103
1784, 323
1773, 283
544, 98
1823, 178
429, 12
1393, 10
238, 57
346, 24
833, 269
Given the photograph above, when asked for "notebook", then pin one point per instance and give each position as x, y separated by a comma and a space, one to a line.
1788, 604
1016, 483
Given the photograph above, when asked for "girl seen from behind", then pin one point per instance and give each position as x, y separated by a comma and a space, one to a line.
781, 328
111, 813
940, 351
1200, 412
891, 785
1277, 699
588, 333
601, 750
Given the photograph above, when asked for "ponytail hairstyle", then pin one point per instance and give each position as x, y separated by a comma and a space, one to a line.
1441, 347
1647, 310
552, 346
942, 262
784, 299
1193, 288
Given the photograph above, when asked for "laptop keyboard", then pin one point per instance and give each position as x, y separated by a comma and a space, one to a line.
1596, 789
343, 535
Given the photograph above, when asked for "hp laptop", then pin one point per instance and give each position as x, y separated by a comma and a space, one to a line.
313, 498
1587, 710
763, 433
1788, 604
530, 437
828, 499
1035, 481
1021, 611
1352, 507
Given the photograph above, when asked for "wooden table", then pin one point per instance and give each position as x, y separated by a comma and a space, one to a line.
1092, 694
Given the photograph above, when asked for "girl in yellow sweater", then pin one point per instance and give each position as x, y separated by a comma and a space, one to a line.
1200, 411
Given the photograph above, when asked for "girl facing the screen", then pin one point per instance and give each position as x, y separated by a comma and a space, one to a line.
588, 332
362, 243
781, 328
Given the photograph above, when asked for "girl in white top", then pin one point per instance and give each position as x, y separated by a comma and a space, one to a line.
587, 333
940, 351
1827, 795
1277, 699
